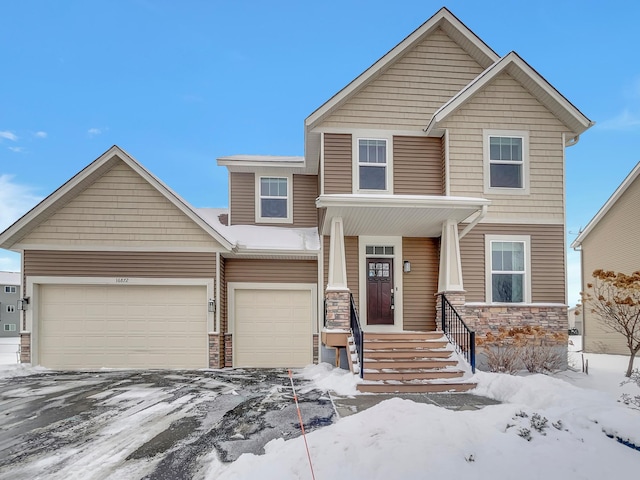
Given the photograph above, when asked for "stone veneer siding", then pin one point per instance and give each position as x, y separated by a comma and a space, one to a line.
338, 310
25, 348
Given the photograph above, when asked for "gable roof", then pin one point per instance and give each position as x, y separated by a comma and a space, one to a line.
83, 179
624, 186
444, 19
530, 79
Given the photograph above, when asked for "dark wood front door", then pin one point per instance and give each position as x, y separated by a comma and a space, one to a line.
379, 291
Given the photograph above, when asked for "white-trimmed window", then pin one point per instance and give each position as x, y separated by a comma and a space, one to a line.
11, 308
373, 164
508, 278
506, 162
273, 202
9, 327
10, 289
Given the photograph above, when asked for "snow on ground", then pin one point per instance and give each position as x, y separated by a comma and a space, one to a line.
547, 427
9, 350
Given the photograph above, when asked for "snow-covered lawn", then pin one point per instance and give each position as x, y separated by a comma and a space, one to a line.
547, 427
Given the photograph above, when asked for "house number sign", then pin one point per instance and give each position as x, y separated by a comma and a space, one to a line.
122, 280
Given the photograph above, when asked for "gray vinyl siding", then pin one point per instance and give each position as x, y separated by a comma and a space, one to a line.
417, 165
506, 105
243, 197
421, 284
611, 245
406, 95
547, 260
337, 163
271, 271
119, 264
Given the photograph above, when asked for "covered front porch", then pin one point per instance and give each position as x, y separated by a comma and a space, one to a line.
386, 259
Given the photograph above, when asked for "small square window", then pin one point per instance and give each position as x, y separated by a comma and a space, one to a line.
10, 289
11, 308
9, 327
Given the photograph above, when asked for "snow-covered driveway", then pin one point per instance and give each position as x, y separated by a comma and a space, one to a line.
151, 424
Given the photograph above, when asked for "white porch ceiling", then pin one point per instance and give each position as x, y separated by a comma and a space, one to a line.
406, 215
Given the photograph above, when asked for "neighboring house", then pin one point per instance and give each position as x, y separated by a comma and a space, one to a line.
438, 171
610, 242
575, 320
9, 296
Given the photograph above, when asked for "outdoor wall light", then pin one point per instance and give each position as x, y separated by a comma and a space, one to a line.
23, 303
211, 307
406, 266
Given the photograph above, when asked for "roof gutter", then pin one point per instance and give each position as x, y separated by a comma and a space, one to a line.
480, 216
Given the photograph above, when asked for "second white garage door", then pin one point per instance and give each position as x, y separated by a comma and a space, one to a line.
122, 326
272, 328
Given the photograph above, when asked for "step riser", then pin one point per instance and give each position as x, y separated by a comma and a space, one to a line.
403, 336
409, 364
420, 388
414, 354
412, 376
381, 344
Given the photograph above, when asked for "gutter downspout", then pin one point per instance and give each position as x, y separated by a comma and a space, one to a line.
467, 229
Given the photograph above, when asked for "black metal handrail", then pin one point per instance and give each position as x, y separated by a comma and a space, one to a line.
358, 335
458, 333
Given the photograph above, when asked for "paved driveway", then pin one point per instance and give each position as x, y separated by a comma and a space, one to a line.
146, 424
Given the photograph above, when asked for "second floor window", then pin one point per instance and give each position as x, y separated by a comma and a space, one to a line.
274, 193
10, 289
372, 164
506, 162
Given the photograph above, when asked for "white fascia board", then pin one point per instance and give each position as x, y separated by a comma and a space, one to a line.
442, 16
511, 60
261, 161
633, 175
401, 201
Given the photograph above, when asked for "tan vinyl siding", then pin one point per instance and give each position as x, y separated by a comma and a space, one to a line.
243, 198
120, 208
120, 264
547, 260
352, 259
421, 283
417, 166
612, 245
305, 192
338, 150
271, 271
506, 105
408, 93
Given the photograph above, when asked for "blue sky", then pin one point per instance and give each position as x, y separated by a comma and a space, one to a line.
178, 84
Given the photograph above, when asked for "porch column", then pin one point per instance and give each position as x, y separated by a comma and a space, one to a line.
337, 294
450, 275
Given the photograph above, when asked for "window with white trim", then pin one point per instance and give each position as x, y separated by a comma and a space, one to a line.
372, 164
9, 327
10, 289
11, 308
508, 269
506, 161
274, 199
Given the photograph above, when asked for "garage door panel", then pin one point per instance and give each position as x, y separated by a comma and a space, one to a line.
273, 327
131, 326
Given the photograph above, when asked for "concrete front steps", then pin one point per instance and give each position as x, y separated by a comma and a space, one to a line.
410, 362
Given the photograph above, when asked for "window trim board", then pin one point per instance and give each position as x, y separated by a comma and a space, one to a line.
486, 161
488, 239
258, 199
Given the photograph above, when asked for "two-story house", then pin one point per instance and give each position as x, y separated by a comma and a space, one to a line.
9, 296
438, 171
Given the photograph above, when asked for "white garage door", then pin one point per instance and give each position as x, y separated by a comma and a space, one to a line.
272, 328
122, 326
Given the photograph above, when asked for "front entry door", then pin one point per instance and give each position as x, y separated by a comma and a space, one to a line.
380, 291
